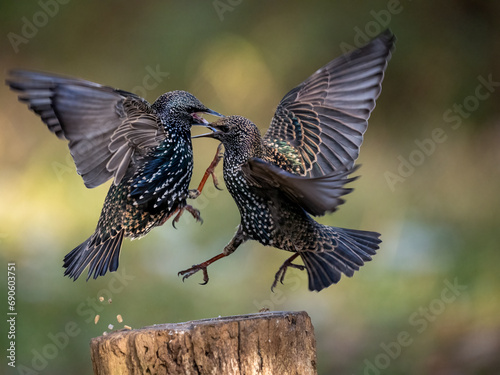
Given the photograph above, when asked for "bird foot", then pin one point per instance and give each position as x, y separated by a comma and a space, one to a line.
191, 271
193, 211
195, 193
280, 275
201, 267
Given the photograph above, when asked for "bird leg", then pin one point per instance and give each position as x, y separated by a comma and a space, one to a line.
280, 275
229, 249
194, 193
193, 211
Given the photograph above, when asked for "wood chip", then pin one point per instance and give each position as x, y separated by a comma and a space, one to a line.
109, 300
110, 326
101, 298
96, 319
127, 327
119, 318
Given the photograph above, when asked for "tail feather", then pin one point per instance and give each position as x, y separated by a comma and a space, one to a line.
319, 272
107, 258
99, 257
343, 252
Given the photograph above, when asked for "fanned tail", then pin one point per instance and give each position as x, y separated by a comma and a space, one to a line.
99, 257
342, 251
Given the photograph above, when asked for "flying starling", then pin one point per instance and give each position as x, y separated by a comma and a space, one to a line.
301, 165
146, 150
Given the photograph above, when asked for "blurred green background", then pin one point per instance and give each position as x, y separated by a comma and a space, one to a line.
427, 304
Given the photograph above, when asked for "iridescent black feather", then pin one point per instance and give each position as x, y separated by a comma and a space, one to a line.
146, 150
301, 165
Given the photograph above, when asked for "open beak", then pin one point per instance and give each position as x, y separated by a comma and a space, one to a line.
205, 123
200, 120
207, 135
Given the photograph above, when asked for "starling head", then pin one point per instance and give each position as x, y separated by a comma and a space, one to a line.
181, 108
241, 137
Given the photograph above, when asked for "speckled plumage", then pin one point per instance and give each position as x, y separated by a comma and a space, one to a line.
301, 165
275, 212
145, 148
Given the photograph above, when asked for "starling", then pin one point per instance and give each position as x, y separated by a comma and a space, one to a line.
301, 165
146, 150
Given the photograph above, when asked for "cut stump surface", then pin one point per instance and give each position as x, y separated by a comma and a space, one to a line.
280, 342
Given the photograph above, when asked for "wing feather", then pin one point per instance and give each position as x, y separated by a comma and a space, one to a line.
325, 117
105, 127
316, 195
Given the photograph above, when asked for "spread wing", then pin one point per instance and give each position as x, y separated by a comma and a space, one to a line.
105, 127
320, 124
316, 195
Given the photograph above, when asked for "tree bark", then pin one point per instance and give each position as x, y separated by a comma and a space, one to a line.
280, 342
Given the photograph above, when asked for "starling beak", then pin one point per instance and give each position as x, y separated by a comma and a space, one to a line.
201, 121
210, 126
113, 134
301, 165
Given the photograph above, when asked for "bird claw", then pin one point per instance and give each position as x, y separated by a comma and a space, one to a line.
196, 213
211, 168
202, 266
193, 211
280, 275
216, 181
191, 271
195, 193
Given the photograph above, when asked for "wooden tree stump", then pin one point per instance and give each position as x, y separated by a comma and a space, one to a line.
280, 342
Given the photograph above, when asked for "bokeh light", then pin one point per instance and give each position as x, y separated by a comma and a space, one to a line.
429, 301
